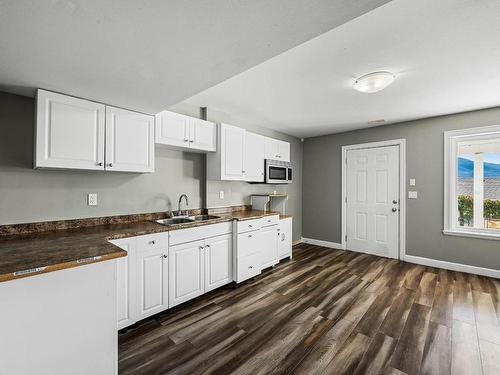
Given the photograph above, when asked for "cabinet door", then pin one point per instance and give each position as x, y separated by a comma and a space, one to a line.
186, 272
272, 149
129, 141
284, 151
255, 146
269, 246
153, 281
218, 262
202, 135
172, 129
232, 150
285, 238
125, 283
69, 132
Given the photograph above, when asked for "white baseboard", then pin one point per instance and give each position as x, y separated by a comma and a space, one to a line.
312, 241
452, 266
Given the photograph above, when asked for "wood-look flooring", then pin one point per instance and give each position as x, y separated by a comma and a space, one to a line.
328, 312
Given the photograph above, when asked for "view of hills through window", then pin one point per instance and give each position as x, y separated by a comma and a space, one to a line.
490, 195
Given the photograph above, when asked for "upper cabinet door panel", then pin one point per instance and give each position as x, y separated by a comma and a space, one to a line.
254, 157
69, 132
272, 149
172, 129
284, 151
129, 141
202, 135
233, 146
277, 150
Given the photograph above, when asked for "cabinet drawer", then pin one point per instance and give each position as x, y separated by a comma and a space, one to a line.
270, 220
248, 267
153, 241
248, 243
248, 225
197, 233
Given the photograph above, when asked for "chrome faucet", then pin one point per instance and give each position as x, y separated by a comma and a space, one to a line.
180, 201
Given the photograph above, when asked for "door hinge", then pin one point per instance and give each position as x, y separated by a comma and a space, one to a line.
346, 237
346, 199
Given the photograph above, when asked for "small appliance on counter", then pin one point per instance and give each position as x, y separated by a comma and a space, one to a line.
278, 172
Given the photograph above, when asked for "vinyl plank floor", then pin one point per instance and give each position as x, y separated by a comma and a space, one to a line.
327, 312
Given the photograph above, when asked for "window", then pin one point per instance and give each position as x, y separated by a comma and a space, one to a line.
472, 182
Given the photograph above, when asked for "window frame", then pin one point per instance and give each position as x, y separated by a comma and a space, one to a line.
451, 139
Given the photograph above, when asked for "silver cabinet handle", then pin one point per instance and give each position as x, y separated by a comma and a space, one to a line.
201, 247
110, 164
165, 256
394, 201
207, 246
99, 164
186, 140
249, 236
250, 266
394, 209
250, 225
152, 242
242, 171
191, 140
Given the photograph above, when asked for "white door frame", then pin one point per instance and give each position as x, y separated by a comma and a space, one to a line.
402, 188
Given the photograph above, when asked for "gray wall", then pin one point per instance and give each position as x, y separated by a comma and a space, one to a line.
322, 187
28, 195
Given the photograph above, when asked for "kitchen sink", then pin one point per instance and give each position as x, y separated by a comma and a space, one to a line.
175, 220
186, 219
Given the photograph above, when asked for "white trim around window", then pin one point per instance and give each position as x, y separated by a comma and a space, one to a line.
451, 141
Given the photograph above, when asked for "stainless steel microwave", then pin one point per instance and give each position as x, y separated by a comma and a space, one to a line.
278, 172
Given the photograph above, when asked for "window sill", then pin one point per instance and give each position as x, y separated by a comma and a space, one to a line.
463, 233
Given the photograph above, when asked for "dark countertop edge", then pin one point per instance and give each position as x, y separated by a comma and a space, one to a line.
61, 266
122, 253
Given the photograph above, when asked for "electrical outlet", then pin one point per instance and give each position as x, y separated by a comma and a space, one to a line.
92, 199
412, 195
221, 194
412, 182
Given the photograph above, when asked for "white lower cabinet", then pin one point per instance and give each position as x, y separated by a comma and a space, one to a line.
153, 281
285, 238
186, 271
255, 246
218, 257
269, 246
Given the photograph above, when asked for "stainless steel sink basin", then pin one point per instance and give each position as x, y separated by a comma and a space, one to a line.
204, 217
186, 219
175, 220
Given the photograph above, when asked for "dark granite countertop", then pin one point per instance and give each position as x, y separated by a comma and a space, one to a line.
29, 254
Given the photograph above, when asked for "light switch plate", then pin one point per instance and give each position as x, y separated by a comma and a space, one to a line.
412, 195
221, 194
92, 199
412, 182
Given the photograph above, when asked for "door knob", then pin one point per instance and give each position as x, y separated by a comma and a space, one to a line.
394, 209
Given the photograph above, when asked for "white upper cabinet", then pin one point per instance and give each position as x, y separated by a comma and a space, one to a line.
129, 141
180, 131
277, 150
241, 155
254, 157
69, 132
74, 133
202, 135
172, 129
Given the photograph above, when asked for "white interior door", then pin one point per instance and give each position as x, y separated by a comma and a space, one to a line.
372, 209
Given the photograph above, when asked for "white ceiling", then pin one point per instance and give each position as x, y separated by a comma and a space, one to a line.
150, 54
446, 55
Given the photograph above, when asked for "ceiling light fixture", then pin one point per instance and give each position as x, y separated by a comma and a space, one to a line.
373, 82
